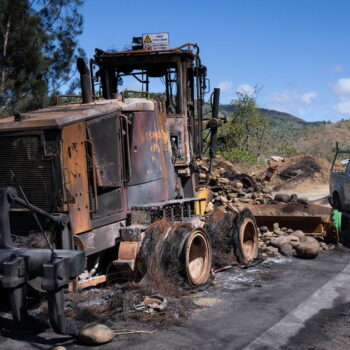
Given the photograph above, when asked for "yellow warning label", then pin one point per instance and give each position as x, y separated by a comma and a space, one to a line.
147, 39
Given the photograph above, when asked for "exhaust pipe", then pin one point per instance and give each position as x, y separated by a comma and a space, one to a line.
85, 81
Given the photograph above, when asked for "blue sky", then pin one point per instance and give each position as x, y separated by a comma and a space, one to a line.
297, 51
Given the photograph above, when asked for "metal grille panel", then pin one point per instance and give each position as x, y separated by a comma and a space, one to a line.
23, 155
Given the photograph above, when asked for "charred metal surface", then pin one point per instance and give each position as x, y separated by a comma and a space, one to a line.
309, 218
308, 224
174, 210
105, 134
132, 233
34, 163
98, 239
20, 266
75, 176
150, 168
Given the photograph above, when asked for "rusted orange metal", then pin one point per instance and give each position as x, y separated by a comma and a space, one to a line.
75, 176
59, 97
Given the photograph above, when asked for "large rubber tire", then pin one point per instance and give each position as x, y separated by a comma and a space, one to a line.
197, 257
245, 237
336, 202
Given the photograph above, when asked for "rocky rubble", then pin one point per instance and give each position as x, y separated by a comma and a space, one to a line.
283, 241
242, 189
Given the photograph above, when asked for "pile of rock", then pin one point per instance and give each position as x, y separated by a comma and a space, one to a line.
241, 189
289, 242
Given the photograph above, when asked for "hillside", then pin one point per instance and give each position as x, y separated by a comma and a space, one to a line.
278, 120
291, 135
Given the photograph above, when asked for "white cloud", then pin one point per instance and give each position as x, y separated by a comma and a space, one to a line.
293, 97
308, 97
338, 68
291, 101
342, 86
225, 86
343, 107
246, 88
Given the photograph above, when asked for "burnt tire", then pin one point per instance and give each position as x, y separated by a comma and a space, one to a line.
245, 237
336, 202
197, 257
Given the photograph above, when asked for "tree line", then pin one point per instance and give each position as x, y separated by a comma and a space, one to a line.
38, 49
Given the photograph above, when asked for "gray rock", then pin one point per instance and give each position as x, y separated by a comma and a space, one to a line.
238, 184
309, 239
232, 195
241, 193
268, 234
299, 233
264, 229
223, 180
95, 333
222, 199
266, 190
282, 197
289, 231
294, 198
210, 207
276, 226
271, 251
294, 243
245, 200
303, 201
294, 238
324, 246
286, 249
278, 232
307, 250
278, 241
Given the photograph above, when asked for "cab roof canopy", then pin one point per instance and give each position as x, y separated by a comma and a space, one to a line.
126, 61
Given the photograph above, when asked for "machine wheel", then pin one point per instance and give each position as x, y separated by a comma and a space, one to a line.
336, 202
245, 237
198, 257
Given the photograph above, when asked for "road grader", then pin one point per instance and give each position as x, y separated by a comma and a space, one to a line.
87, 179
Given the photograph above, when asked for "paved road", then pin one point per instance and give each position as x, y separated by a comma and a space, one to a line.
299, 304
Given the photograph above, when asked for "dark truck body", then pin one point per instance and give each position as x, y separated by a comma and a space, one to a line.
339, 183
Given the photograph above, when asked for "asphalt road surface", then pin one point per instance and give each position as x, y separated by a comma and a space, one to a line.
288, 304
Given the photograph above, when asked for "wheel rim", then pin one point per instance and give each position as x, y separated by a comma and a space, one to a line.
198, 257
248, 239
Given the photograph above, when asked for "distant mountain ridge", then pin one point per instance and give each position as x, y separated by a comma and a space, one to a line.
278, 120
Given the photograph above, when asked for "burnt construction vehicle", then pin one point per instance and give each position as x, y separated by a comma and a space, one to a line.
90, 178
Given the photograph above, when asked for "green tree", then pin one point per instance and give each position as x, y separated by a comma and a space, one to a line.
38, 46
245, 134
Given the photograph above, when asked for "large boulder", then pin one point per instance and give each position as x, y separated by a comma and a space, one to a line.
307, 250
95, 333
299, 234
308, 239
294, 240
264, 229
282, 197
278, 241
286, 249
271, 251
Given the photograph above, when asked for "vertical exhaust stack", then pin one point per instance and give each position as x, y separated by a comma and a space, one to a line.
214, 126
85, 81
